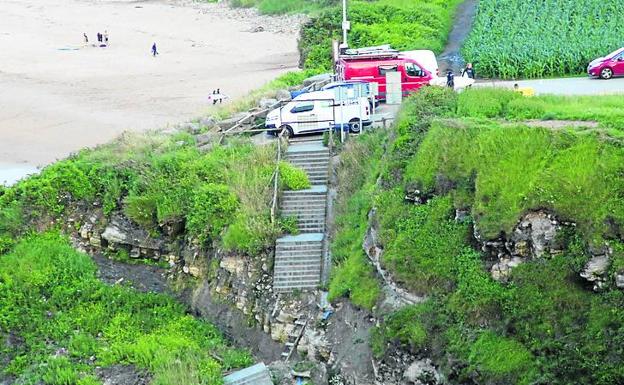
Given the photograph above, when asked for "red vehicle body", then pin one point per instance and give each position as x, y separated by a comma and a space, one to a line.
609, 66
373, 68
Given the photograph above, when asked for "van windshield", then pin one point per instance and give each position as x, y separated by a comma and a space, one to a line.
302, 107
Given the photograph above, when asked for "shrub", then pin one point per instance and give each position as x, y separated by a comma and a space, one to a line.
292, 177
212, 209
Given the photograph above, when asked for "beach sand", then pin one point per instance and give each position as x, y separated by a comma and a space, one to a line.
58, 95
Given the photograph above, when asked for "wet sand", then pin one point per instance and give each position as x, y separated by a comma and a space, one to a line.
58, 95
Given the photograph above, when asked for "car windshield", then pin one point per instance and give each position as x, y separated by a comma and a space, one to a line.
617, 51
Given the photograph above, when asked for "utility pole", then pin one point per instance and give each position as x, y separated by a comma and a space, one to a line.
346, 26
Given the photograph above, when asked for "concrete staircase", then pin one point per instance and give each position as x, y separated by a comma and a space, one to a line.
298, 258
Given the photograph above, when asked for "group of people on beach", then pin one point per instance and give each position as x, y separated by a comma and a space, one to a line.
102, 38
217, 97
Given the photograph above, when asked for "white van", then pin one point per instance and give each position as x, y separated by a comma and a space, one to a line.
318, 112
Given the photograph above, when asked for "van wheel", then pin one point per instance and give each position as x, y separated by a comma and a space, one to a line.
287, 130
606, 73
355, 126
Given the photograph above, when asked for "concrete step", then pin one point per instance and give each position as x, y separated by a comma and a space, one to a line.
313, 191
321, 160
300, 206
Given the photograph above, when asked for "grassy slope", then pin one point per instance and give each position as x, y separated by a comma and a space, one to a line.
221, 196
545, 326
67, 322
535, 38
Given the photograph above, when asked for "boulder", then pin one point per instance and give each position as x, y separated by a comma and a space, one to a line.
318, 78
121, 231
208, 122
619, 280
226, 124
203, 139
535, 235
595, 271
422, 372
283, 95
266, 103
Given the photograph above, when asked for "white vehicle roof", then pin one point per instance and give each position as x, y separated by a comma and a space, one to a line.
424, 57
329, 94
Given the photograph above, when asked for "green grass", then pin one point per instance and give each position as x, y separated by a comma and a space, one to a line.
538, 38
504, 104
545, 326
405, 24
353, 275
51, 301
277, 7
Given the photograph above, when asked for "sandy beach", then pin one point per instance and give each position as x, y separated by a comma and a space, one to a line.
58, 95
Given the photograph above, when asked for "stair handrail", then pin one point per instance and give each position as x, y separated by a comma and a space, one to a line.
276, 175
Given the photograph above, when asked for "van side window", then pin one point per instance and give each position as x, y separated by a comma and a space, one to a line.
383, 70
413, 70
302, 107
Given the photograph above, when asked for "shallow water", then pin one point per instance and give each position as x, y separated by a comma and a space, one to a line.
11, 173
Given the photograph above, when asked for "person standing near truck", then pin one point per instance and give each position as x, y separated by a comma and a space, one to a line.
450, 79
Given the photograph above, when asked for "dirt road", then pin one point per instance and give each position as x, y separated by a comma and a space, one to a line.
58, 95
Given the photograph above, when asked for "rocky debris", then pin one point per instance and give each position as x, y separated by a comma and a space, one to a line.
204, 139
283, 95
422, 372
619, 280
415, 195
123, 375
534, 237
395, 297
502, 269
595, 271
122, 233
289, 23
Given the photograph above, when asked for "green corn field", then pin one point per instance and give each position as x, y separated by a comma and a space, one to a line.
542, 38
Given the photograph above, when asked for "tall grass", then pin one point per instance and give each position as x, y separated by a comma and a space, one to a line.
537, 38
51, 299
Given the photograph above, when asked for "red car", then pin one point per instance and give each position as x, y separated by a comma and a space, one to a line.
608, 66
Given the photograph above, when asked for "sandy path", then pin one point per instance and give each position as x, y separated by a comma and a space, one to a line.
58, 96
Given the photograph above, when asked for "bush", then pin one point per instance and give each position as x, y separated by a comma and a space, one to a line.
212, 210
292, 177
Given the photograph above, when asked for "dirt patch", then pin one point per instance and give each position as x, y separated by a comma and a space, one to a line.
123, 375
144, 278
234, 324
349, 333
451, 58
558, 124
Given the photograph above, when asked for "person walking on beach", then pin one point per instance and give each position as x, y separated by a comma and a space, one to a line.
99, 37
154, 50
86, 38
106, 37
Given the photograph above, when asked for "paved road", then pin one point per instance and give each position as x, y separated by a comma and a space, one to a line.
565, 86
